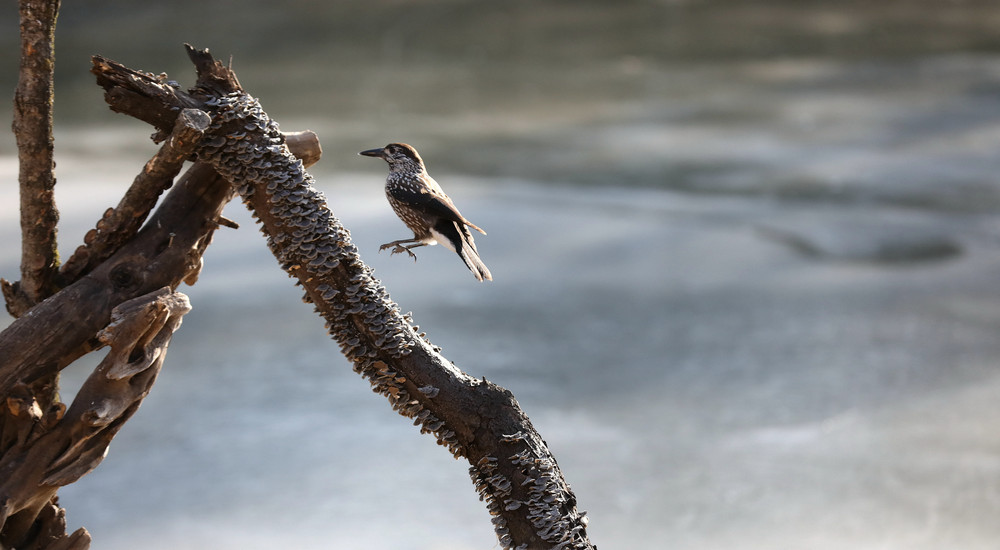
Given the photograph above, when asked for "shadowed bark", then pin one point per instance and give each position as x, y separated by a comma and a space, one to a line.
122, 222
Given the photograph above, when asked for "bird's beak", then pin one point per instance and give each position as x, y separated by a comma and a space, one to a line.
380, 152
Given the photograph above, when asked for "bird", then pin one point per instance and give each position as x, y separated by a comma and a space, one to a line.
424, 207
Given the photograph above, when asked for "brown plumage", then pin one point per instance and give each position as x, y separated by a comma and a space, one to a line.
424, 207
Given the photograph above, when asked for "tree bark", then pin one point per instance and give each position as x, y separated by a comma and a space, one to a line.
48, 449
37, 444
166, 252
119, 224
33, 133
62, 328
511, 466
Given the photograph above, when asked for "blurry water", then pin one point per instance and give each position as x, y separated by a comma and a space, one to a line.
745, 261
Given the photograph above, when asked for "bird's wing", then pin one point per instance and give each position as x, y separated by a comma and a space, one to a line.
431, 203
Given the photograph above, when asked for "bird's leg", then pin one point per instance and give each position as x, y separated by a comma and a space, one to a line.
398, 244
399, 248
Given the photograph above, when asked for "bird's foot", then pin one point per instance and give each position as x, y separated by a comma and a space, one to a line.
398, 249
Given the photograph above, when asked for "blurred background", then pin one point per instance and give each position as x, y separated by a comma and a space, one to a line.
746, 259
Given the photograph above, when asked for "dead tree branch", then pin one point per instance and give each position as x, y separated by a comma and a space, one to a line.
49, 449
122, 222
166, 252
42, 445
163, 254
33, 132
61, 329
511, 466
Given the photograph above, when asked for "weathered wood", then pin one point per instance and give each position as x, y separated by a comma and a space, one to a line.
56, 447
62, 328
142, 95
511, 466
166, 252
305, 146
51, 525
42, 445
122, 222
33, 134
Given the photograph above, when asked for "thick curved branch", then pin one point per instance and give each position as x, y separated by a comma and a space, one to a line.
511, 466
33, 133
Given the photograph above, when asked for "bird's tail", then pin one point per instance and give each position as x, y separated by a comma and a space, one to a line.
457, 237
475, 264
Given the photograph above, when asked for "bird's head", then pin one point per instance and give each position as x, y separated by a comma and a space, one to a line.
400, 156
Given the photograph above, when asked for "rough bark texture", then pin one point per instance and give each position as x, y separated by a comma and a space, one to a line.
46, 449
33, 131
62, 328
165, 253
511, 466
122, 222
44, 446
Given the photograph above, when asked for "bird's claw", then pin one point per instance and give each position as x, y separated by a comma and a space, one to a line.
398, 249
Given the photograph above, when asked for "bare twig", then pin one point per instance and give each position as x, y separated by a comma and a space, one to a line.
33, 131
55, 449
